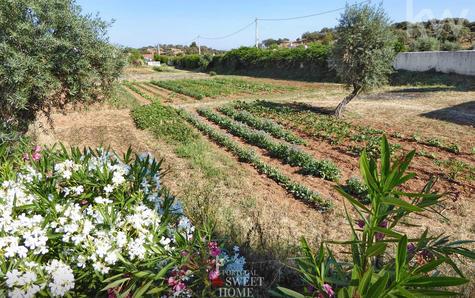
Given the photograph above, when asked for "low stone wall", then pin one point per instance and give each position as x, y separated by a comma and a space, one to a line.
460, 62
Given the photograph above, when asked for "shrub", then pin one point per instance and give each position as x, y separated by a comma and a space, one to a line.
51, 55
413, 266
423, 44
299, 63
450, 46
78, 223
192, 62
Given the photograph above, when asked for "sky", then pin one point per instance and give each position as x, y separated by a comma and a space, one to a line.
149, 22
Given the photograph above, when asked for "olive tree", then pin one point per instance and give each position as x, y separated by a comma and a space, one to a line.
364, 51
51, 55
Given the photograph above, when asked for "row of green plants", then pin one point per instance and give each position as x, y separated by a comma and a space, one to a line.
266, 125
384, 262
201, 88
285, 152
136, 89
336, 131
331, 129
299, 191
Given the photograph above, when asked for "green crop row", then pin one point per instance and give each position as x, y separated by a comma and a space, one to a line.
137, 90
269, 126
201, 88
285, 152
299, 191
332, 129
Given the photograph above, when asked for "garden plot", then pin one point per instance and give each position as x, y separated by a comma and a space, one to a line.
453, 164
202, 88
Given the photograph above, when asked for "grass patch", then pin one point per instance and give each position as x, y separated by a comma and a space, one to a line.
201, 88
121, 98
167, 124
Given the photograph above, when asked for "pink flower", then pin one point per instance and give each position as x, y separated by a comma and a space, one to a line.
213, 274
37, 149
36, 156
26, 156
172, 281
329, 290
180, 286
214, 250
360, 223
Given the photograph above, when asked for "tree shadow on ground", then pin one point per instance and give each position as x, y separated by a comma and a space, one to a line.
297, 107
430, 81
463, 114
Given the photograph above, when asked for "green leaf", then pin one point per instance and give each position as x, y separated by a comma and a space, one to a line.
388, 232
429, 266
436, 281
141, 291
401, 203
290, 293
377, 289
376, 249
401, 257
352, 200
365, 282
116, 283
385, 157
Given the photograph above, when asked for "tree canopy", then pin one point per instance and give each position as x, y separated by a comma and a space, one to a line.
364, 51
51, 55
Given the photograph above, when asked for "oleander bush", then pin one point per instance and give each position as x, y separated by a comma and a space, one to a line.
385, 262
90, 224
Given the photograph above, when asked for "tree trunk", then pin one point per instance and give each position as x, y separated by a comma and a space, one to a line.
342, 105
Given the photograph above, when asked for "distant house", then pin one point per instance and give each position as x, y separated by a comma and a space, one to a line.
148, 57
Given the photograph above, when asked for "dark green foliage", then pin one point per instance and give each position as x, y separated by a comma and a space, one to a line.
51, 55
295, 63
246, 155
283, 151
364, 52
192, 62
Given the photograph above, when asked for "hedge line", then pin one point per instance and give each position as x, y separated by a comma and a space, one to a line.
285, 152
246, 155
286, 63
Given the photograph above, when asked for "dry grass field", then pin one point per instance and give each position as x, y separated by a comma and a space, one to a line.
437, 120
